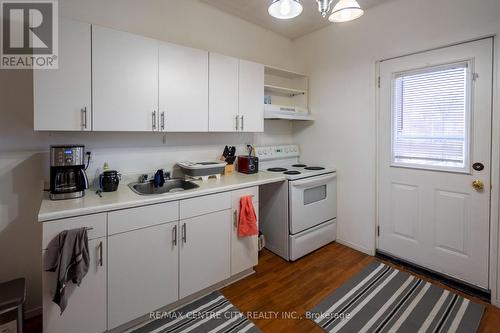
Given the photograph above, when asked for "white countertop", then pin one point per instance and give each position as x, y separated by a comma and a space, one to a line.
91, 203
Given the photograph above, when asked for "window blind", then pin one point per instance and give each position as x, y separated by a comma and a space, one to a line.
430, 117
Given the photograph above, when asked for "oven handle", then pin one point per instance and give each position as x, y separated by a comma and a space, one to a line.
314, 181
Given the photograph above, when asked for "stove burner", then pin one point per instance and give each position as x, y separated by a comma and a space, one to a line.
292, 172
276, 169
299, 165
315, 168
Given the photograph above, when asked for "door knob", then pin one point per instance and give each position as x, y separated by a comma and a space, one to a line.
478, 185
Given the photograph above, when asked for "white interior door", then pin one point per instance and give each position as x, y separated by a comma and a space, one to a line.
434, 156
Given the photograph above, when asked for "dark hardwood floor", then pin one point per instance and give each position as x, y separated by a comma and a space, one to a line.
281, 287
297, 287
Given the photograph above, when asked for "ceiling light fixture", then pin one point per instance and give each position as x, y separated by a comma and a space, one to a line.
285, 9
346, 10
324, 6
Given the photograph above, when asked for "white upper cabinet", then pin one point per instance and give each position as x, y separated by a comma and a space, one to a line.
183, 89
110, 80
125, 81
62, 97
223, 93
251, 96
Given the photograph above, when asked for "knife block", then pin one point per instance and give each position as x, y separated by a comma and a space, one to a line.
228, 169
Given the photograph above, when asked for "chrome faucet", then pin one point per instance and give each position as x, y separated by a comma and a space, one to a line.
143, 178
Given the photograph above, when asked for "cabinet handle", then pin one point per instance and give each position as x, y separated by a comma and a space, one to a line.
237, 127
154, 120
184, 233
242, 122
174, 235
100, 254
163, 121
235, 214
84, 117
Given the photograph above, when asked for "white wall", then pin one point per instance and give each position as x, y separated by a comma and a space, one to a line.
341, 61
23, 152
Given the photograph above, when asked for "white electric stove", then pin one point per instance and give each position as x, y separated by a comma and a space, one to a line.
299, 216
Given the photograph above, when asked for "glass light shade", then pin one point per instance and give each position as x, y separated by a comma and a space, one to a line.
346, 10
285, 9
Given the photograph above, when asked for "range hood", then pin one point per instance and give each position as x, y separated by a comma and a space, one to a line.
273, 111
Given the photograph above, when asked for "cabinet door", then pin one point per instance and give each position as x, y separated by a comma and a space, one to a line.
183, 88
244, 250
204, 254
251, 96
125, 81
62, 97
223, 93
86, 309
142, 272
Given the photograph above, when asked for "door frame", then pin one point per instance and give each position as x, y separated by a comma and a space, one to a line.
494, 257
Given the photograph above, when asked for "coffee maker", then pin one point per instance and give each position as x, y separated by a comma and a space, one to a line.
68, 179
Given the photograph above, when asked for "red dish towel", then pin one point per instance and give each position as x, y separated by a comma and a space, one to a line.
247, 224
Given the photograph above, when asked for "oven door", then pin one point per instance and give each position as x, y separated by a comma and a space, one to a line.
312, 201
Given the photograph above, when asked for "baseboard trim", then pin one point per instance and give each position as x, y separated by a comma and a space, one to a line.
356, 247
464, 287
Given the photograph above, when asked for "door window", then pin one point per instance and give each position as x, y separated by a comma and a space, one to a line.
431, 117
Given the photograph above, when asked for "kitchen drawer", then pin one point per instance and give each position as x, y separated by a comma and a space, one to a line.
95, 221
312, 239
205, 205
140, 217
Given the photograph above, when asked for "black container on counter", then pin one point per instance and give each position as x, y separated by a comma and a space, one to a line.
109, 180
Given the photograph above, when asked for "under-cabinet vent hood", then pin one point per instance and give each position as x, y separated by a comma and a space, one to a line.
273, 111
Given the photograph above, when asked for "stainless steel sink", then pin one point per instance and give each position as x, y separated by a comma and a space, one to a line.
170, 186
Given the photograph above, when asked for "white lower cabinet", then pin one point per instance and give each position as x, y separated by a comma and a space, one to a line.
86, 309
244, 250
204, 251
142, 272
148, 257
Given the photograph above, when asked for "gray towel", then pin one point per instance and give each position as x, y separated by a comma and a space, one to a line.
68, 256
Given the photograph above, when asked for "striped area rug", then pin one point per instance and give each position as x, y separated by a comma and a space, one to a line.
384, 299
212, 313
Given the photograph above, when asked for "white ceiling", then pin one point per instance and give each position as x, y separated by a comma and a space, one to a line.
255, 11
